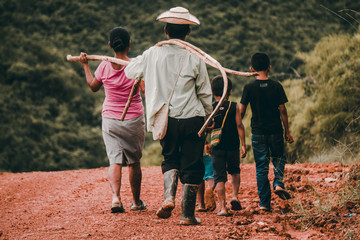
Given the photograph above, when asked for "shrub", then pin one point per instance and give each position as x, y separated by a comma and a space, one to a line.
328, 110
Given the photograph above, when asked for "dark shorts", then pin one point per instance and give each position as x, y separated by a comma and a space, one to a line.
225, 162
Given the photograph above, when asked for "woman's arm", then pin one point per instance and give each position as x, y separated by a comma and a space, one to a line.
92, 82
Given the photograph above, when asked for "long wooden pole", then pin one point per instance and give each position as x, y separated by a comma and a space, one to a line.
209, 60
98, 58
204, 56
187, 46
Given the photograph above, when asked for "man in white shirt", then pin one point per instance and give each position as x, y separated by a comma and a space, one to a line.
190, 104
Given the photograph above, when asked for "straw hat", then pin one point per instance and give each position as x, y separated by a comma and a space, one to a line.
178, 15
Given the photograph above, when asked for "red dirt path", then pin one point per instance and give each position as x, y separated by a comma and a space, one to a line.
76, 205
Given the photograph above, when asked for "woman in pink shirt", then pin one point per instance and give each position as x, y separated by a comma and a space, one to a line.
124, 140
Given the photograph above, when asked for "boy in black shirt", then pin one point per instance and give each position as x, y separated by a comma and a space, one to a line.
267, 100
226, 155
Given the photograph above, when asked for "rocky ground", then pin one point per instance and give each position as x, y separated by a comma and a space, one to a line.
76, 205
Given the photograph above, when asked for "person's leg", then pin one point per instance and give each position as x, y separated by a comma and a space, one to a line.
188, 201
191, 148
210, 201
209, 172
235, 182
262, 160
276, 144
220, 191
170, 186
278, 185
200, 197
170, 147
279, 169
170, 168
115, 156
131, 134
191, 167
114, 176
135, 177
210, 183
233, 168
220, 178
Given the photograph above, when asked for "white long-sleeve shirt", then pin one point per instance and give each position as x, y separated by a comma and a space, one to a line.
159, 68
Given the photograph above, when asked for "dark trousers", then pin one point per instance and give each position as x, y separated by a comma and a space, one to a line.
183, 149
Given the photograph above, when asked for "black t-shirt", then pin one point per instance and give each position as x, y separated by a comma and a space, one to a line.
230, 137
264, 97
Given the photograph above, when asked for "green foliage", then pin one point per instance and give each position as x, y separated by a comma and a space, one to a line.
152, 155
330, 114
49, 120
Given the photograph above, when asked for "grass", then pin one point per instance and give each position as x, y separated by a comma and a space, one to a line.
152, 155
341, 152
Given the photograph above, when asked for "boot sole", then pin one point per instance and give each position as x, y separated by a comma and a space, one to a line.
187, 222
165, 210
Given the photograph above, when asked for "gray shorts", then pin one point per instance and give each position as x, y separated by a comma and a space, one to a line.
124, 140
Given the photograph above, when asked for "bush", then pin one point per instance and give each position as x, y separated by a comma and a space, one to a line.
330, 113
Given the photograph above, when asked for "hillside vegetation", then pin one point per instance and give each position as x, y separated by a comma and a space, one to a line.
325, 106
49, 120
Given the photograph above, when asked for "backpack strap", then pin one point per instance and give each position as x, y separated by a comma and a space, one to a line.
226, 115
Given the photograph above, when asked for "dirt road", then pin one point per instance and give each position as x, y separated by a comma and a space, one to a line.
76, 205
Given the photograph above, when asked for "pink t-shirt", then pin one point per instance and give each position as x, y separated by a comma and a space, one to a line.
117, 90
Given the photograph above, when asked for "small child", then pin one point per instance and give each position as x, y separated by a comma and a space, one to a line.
267, 99
226, 155
206, 195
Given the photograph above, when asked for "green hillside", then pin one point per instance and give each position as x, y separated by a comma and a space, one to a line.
325, 110
49, 120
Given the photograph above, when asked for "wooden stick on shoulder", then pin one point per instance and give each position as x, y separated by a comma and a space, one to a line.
204, 56
98, 58
187, 46
113, 60
212, 62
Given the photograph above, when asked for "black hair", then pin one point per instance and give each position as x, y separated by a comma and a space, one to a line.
119, 39
260, 61
217, 86
178, 31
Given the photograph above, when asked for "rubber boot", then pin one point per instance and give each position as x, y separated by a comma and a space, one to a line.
188, 201
170, 185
